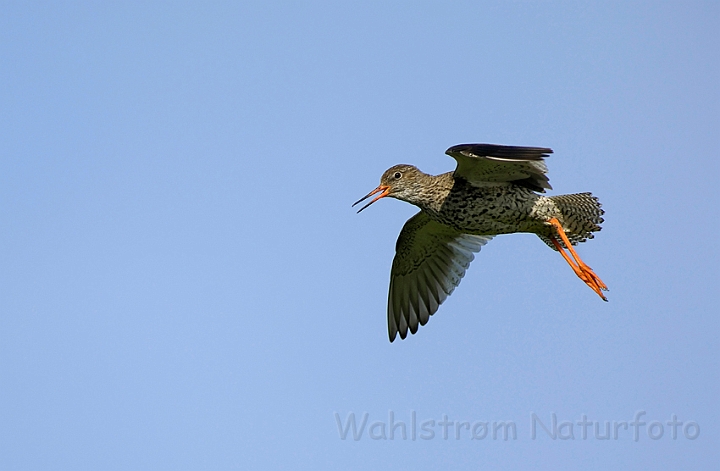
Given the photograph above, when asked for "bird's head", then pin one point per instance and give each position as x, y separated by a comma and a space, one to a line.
400, 181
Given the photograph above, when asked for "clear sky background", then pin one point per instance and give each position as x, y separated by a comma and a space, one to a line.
184, 285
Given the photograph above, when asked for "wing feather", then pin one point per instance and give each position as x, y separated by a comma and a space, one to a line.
430, 261
482, 164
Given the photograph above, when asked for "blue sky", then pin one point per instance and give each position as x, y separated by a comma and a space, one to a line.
185, 286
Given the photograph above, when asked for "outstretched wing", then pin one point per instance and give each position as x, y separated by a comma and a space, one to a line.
430, 260
488, 163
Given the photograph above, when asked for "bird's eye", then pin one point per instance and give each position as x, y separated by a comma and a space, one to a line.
397, 175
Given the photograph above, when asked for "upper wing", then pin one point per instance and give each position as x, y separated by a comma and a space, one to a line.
482, 163
430, 260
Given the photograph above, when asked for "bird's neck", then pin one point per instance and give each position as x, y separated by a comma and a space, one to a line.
430, 193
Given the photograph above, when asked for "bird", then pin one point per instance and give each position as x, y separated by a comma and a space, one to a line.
495, 189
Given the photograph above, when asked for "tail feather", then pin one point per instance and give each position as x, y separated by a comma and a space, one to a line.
581, 216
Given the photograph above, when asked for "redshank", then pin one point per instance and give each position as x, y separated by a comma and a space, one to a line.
493, 190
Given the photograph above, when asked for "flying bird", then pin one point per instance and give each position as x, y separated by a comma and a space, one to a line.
494, 190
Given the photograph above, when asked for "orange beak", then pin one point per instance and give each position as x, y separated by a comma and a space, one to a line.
385, 191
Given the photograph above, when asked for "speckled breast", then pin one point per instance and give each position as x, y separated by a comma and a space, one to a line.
490, 210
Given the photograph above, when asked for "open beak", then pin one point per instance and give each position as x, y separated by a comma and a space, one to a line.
382, 188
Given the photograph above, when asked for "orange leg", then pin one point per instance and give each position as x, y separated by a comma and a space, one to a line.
581, 269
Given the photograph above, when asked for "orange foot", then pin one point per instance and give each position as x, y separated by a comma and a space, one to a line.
583, 271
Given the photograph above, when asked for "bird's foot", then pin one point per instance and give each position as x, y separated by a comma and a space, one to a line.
581, 269
591, 279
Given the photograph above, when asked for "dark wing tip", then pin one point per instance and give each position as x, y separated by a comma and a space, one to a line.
501, 152
393, 334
